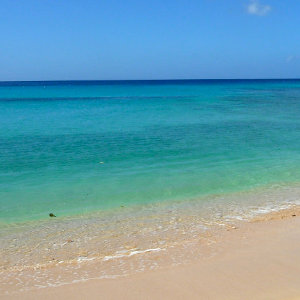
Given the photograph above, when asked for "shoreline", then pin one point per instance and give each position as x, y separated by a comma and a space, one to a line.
258, 259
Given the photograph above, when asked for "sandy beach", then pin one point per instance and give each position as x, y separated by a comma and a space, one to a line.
259, 259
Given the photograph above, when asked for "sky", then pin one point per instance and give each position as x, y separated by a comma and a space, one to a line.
154, 39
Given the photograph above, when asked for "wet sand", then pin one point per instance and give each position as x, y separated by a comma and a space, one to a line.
259, 259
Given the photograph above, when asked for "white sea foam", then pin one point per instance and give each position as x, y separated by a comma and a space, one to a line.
128, 254
85, 258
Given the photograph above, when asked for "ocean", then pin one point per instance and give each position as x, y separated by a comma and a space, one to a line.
117, 162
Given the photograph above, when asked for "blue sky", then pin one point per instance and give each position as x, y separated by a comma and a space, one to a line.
158, 39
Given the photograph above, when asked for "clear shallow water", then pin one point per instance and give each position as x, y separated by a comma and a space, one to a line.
123, 241
78, 147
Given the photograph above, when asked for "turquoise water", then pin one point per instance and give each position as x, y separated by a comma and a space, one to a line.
77, 147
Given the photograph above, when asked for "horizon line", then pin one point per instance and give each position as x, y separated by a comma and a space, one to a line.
177, 79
